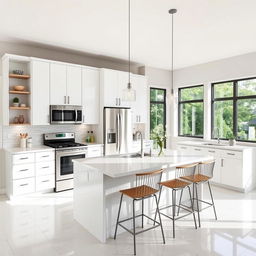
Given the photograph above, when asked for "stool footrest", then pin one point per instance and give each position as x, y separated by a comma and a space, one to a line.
137, 216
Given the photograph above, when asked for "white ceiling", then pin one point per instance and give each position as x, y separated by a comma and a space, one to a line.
205, 30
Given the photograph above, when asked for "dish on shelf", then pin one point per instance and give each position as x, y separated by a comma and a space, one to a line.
18, 72
19, 87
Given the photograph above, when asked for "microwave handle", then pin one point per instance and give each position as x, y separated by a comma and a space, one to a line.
76, 115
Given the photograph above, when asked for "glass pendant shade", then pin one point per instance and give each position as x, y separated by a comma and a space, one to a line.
129, 94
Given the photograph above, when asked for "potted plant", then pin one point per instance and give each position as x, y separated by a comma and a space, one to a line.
231, 139
15, 102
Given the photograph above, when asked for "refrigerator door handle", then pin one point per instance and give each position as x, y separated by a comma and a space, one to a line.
120, 133
117, 132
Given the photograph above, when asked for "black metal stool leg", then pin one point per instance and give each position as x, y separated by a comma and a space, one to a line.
158, 203
160, 221
118, 215
142, 222
198, 210
213, 205
173, 210
181, 193
134, 235
192, 207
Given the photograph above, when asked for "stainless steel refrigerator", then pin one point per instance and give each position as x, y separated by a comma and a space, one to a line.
117, 130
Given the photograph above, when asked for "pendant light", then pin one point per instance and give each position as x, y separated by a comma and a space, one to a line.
172, 12
129, 94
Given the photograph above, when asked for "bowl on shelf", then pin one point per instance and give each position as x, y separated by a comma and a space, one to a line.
18, 72
23, 105
19, 88
15, 104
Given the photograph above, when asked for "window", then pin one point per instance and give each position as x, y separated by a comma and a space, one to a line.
234, 109
157, 112
191, 111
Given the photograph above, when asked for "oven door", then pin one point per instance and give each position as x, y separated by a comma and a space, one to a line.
64, 163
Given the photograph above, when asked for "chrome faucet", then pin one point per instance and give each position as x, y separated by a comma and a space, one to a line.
141, 143
218, 135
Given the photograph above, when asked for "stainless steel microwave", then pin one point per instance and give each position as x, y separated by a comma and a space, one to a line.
66, 114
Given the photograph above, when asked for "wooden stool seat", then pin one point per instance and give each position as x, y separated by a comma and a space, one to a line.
175, 183
196, 178
139, 192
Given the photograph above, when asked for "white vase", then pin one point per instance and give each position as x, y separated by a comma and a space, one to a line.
23, 143
232, 142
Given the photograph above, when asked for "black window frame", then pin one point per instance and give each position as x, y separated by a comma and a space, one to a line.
180, 102
234, 99
158, 102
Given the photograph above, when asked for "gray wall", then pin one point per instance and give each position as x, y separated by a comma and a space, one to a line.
54, 53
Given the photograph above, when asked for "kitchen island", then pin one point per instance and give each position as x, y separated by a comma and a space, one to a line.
97, 183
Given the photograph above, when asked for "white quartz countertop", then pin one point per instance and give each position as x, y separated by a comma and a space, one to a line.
117, 166
29, 150
223, 145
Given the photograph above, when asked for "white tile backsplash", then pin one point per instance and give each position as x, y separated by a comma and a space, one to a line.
11, 133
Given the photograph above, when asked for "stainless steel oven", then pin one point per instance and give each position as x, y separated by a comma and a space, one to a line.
66, 114
64, 166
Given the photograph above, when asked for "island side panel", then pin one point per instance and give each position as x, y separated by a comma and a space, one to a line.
89, 205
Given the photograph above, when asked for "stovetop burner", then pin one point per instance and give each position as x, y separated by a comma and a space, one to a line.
61, 140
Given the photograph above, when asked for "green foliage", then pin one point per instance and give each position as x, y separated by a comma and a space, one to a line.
16, 100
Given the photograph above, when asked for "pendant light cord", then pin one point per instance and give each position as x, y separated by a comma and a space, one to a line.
172, 92
129, 41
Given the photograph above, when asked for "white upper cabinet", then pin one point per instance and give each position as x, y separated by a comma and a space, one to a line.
123, 79
40, 75
109, 88
90, 95
74, 85
65, 84
58, 84
140, 107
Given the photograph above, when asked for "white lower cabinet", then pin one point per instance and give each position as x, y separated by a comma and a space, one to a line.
30, 172
233, 168
94, 151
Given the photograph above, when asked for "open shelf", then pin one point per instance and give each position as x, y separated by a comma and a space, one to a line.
19, 92
12, 124
19, 108
19, 76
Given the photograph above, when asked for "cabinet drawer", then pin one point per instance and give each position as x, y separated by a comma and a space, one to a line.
182, 148
45, 168
232, 154
94, 151
45, 182
45, 156
23, 158
22, 171
23, 186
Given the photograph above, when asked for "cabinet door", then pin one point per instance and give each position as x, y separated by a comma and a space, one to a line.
110, 88
90, 95
74, 85
140, 107
232, 172
217, 167
40, 92
123, 79
58, 84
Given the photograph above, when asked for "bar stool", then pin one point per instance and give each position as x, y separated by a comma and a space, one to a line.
205, 174
178, 184
147, 185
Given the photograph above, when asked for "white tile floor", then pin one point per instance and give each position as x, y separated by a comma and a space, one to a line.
44, 225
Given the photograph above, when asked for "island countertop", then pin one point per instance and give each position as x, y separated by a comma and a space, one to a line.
119, 166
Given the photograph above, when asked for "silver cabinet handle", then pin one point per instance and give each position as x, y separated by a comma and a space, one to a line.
116, 102
23, 170
23, 158
46, 156
83, 118
45, 180
65, 100
222, 162
211, 151
119, 102
68, 99
22, 185
45, 167
139, 118
231, 154
198, 149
